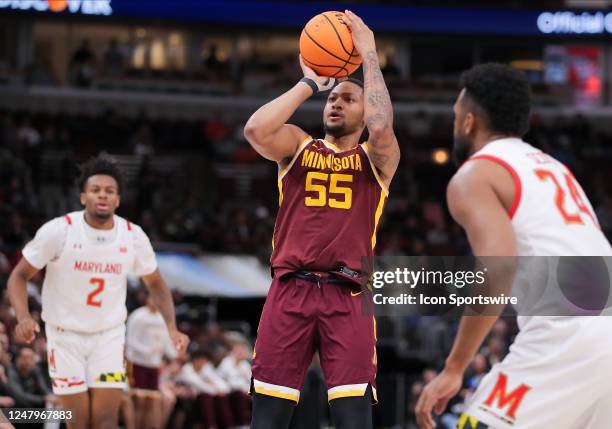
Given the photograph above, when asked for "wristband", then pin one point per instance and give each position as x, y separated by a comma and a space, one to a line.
317, 87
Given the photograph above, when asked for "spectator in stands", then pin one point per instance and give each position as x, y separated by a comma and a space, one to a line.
478, 369
212, 62
6, 398
235, 369
27, 383
495, 351
147, 341
212, 390
177, 397
114, 61
82, 65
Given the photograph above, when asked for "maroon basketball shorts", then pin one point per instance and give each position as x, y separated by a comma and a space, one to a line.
145, 378
300, 317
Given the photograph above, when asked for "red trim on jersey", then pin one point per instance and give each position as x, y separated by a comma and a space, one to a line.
67, 217
517, 180
129, 226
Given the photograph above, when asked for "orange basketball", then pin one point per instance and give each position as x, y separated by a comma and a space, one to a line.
327, 47
57, 5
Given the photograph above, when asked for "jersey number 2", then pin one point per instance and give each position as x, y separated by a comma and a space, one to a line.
97, 291
569, 218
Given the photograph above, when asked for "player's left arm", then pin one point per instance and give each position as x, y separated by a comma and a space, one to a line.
160, 293
474, 202
146, 268
383, 147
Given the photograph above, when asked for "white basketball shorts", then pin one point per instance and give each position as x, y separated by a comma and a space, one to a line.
79, 361
556, 376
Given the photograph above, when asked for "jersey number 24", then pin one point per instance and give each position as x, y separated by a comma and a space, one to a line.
560, 195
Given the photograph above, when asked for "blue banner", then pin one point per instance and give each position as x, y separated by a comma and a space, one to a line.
268, 14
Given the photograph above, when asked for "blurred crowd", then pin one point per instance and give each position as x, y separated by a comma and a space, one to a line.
181, 189
493, 350
204, 388
200, 182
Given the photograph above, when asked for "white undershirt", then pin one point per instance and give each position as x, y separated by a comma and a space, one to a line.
99, 236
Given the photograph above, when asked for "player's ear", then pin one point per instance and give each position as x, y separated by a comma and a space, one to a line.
118, 201
82, 198
468, 123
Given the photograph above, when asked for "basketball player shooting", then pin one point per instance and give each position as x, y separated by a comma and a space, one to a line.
332, 194
87, 255
514, 200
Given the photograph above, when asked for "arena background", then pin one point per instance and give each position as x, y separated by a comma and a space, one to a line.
166, 87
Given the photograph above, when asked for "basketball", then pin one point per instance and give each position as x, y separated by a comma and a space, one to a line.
327, 47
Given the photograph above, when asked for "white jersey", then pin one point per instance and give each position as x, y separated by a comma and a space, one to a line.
147, 338
551, 215
553, 360
86, 278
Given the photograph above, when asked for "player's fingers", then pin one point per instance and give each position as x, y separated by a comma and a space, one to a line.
423, 410
349, 21
305, 68
441, 405
355, 17
180, 344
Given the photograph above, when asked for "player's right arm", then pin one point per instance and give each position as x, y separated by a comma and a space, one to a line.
478, 198
26, 328
45, 246
267, 130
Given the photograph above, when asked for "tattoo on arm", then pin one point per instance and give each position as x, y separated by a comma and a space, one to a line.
378, 110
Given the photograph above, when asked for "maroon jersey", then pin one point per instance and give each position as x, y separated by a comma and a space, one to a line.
330, 206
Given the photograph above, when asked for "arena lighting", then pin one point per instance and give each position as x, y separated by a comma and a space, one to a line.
440, 156
533, 65
566, 22
85, 7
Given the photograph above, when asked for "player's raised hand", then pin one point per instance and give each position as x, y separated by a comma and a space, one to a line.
323, 83
435, 396
26, 330
180, 340
363, 37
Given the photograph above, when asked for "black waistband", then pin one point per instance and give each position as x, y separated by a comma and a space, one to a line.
320, 279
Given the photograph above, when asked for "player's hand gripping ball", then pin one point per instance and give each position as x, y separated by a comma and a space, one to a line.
326, 46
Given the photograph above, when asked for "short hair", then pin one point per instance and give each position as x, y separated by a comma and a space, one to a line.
357, 82
503, 94
23, 347
200, 353
101, 164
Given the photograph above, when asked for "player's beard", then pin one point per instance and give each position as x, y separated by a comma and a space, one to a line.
462, 149
101, 216
336, 130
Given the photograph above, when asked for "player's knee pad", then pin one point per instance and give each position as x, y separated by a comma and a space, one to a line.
468, 422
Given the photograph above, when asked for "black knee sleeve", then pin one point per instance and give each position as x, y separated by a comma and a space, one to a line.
354, 412
271, 413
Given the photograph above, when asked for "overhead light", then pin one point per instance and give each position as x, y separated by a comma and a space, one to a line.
440, 156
